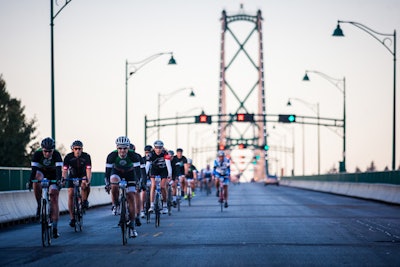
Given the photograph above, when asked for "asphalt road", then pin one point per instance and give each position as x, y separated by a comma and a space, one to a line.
263, 226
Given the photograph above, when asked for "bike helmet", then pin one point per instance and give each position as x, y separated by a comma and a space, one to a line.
179, 150
122, 141
189, 161
132, 146
221, 153
76, 143
171, 152
48, 143
158, 143
147, 148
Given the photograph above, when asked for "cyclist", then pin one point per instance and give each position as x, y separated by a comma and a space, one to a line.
191, 176
124, 163
77, 164
179, 169
222, 171
147, 150
160, 162
207, 176
47, 163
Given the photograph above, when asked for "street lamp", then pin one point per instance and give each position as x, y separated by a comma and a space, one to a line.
315, 109
166, 97
136, 66
336, 83
52, 17
381, 38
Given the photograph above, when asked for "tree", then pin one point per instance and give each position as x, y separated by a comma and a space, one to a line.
16, 133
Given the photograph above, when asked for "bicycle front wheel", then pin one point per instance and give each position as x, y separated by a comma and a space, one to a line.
157, 209
123, 222
46, 228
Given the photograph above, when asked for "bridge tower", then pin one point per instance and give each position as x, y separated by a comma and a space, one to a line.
241, 106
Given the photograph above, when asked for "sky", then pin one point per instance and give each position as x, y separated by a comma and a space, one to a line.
93, 40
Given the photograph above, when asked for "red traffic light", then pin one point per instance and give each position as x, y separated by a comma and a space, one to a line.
203, 118
244, 117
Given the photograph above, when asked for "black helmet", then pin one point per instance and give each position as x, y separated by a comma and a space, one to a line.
48, 143
179, 150
159, 143
132, 146
76, 143
147, 148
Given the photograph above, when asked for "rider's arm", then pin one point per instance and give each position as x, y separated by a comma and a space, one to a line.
88, 169
109, 166
169, 167
59, 165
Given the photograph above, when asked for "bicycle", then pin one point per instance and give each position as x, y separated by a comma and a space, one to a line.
124, 213
189, 191
221, 192
147, 202
45, 211
178, 195
169, 197
158, 200
78, 209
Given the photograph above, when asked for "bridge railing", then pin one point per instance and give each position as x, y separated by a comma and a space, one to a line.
14, 178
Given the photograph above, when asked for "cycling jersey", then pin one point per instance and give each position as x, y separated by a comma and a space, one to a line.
222, 168
128, 167
50, 167
178, 166
159, 164
76, 166
207, 174
191, 169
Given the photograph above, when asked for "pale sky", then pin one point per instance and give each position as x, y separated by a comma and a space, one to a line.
94, 38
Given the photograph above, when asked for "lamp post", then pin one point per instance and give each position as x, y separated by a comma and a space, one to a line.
316, 110
136, 66
52, 17
336, 83
166, 97
381, 38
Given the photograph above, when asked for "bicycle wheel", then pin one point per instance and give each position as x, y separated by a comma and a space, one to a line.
46, 228
169, 200
123, 222
189, 195
221, 197
147, 205
157, 209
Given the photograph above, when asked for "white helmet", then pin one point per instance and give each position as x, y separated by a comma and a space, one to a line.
221, 153
122, 141
158, 143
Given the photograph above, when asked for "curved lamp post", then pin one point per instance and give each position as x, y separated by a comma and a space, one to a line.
315, 109
136, 66
52, 17
381, 38
335, 83
164, 98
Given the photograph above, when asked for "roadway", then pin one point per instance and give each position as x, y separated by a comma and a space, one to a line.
263, 226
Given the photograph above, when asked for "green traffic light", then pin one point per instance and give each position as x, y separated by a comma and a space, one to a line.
266, 147
291, 118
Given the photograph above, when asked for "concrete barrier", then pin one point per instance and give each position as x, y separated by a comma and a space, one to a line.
381, 192
21, 204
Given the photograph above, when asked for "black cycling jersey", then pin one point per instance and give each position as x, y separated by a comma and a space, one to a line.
128, 168
76, 166
178, 166
50, 167
192, 169
158, 163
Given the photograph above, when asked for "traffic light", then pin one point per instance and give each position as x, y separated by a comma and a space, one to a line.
203, 118
244, 117
242, 146
287, 118
266, 147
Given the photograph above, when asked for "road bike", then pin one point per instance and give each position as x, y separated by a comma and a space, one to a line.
124, 213
178, 195
158, 200
221, 192
189, 191
78, 209
45, 211
169, 197
147, 201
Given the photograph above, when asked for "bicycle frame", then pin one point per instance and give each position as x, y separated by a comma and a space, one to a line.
123, 184
221, 192
178, 195
158, 200
169, 197
78, 211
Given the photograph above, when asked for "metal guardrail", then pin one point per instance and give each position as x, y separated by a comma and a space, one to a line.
14, 178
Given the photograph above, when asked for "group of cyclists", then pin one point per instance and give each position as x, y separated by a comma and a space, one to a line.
124, 163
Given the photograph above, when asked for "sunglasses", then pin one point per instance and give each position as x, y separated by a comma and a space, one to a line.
77, 148
47, 151
158, 147
122, 148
